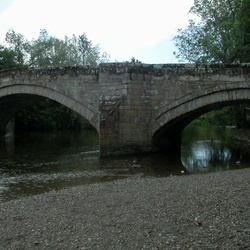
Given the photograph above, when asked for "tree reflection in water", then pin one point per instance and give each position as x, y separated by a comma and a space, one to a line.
204, 149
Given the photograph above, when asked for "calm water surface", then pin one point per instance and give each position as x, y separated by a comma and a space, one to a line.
34, 163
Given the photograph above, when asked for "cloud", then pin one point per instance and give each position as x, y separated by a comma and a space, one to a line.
118, 25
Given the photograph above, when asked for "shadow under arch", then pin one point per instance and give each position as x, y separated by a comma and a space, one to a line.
171, 122
16, 97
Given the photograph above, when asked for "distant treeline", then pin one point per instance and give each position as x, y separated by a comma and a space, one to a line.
49, 115
237, 116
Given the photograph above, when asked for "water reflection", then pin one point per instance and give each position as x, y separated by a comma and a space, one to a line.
205, 156
204, 149
40, 162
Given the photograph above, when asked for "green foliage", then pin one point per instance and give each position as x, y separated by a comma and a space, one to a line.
47, 50
18, 45
49, 115
244, 18
8, 59
221, 34
134, 60
221, 117
238, 115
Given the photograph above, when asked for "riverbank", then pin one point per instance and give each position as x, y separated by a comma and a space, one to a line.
205, 211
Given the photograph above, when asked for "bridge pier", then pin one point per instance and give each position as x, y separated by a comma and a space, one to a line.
118, 136
10, 128
7, 130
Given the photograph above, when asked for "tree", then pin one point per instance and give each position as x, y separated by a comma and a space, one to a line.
221, 34
8, 58
244, 18
47, 50
49, 115
18, 45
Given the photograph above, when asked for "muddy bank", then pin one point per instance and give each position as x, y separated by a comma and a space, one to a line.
205, 211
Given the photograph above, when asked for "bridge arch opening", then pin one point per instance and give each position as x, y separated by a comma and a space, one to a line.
57, 135
167, 137
32, 107
15, 98
48, 115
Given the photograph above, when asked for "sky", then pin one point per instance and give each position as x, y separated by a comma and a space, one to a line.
123, 28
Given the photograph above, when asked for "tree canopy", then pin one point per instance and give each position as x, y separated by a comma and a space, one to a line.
48, 50
8, 58
221, 34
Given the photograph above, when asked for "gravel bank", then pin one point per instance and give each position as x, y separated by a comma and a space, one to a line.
206, 211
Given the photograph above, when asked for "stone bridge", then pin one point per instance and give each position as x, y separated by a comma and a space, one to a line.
135, 108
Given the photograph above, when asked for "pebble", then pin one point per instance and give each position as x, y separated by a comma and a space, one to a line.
203, 211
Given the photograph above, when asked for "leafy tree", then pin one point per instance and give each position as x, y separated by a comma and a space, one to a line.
49, 115
244, 18
8, 58
85, 52
221, 34
18, 45
229, 116
47, 50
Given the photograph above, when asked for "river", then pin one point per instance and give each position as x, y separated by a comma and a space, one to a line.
34, 163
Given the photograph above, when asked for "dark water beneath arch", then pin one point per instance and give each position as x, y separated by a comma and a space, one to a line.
35, 163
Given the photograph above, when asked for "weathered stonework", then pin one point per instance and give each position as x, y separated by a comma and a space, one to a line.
134, 107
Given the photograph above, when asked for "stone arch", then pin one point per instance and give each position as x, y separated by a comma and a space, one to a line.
170, 123
33, 90
207, 101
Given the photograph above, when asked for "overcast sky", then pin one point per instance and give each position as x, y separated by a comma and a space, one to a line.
124, 28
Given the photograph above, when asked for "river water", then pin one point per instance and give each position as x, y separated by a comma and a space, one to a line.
34, 163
